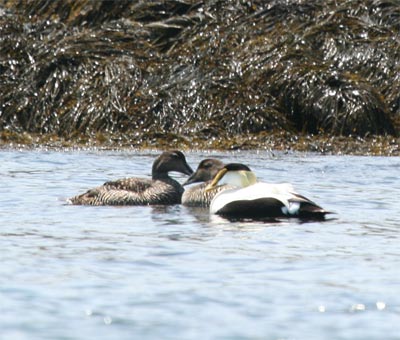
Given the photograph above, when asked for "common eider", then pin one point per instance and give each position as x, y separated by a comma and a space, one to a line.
161, 189
197, 196
252, 199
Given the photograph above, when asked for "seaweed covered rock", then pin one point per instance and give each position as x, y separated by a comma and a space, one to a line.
200, 68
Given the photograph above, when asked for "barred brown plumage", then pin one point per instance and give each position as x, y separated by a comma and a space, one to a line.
196, 196
161, 189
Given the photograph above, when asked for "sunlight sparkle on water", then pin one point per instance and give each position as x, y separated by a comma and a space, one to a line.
380, 305
107, 320
358, 307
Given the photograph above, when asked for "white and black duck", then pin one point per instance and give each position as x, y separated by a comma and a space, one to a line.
160, 189
252, 199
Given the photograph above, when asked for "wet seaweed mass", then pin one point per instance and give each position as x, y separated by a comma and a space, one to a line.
305, 75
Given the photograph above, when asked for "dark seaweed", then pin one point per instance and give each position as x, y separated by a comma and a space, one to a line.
205, 69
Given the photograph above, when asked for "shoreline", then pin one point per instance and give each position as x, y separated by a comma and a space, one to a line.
278, 141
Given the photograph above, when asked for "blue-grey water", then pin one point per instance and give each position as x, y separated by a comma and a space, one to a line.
76, 272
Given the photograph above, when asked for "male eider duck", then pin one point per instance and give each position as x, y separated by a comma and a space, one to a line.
252, 199
161, 189
197, 196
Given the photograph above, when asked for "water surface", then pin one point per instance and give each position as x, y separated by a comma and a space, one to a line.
76, 272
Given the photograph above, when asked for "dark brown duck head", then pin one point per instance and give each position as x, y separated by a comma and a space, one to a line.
206, 171
170, 161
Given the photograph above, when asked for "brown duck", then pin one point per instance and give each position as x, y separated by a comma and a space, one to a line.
160, 189
197, 196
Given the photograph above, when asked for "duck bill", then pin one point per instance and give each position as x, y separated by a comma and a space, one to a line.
192, 179
216, 179
197, 176
186, 169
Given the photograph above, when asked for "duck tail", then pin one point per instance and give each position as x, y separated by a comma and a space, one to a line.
88, 198
310, 210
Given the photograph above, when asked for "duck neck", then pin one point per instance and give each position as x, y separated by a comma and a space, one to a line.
159, 175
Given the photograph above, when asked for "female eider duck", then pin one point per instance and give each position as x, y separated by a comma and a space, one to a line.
161, 189
197, 196
252, 199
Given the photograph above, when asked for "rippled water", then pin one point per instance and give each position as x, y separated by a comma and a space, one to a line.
73, 272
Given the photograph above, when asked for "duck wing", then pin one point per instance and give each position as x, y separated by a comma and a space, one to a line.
132, 191
133, 184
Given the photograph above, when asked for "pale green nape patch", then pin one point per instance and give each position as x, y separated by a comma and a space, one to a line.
251, 178
239, 178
